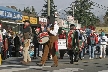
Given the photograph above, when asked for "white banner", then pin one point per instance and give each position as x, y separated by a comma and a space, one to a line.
62, 44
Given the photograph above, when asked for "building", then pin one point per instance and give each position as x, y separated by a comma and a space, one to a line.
8, 17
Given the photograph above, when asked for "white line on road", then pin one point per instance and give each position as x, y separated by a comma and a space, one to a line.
19, 69
68, 70
9, 65
103, 71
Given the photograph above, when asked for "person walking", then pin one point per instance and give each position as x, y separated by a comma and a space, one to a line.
92, 41
27, 32
73, 44
103, 42
49, 47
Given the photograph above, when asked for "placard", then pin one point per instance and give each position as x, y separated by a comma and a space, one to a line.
25, 18
33, 20
62, 44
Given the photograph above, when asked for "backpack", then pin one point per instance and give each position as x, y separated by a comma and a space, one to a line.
92, 39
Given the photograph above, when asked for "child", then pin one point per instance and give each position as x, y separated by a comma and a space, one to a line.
31, 52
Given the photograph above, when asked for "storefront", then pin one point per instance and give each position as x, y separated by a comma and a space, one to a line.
9, 18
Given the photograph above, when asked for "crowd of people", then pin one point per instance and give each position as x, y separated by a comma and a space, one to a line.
11, 44
87, 41
78, 42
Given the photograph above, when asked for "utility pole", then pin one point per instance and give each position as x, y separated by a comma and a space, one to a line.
73, 8
48, 12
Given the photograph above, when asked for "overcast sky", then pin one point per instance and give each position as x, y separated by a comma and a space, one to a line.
38, 4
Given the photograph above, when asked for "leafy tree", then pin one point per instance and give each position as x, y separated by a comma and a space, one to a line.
19, 10
29, 10
33, 11
83, 12
52, 8
8, 6
106, 18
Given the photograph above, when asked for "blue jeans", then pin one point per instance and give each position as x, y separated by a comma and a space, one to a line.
10, 50
91, 51
83, 52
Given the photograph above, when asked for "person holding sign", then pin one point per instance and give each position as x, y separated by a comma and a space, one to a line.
62, 36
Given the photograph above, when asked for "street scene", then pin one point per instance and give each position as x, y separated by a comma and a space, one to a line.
54, 36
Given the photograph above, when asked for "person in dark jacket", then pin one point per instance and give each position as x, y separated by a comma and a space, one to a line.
11, 45
17, 45
35, 41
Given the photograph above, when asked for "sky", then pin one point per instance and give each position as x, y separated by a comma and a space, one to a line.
61, 4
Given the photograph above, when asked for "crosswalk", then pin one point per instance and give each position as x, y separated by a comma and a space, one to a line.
103, 71
11, 68
68, 70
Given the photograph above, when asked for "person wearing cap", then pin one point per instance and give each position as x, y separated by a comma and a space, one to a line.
73, 44
27, 32
49, 47
103, 42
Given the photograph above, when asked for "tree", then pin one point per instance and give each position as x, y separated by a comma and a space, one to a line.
52, 8
33, 11
15, 8
19, 10
83, 12
106, 18
30, 11
27, 10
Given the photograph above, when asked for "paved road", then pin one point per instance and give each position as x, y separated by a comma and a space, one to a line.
85, 65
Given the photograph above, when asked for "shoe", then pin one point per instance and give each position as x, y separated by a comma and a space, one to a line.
34, 57
80, 58
23, 62
83, 57
61, 58
54, 65
89, 57
100, 57
28, 61
71, 62
75, 60
40, 64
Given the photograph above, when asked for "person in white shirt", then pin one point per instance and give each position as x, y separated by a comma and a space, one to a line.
103, 42
4, 32
49, 46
